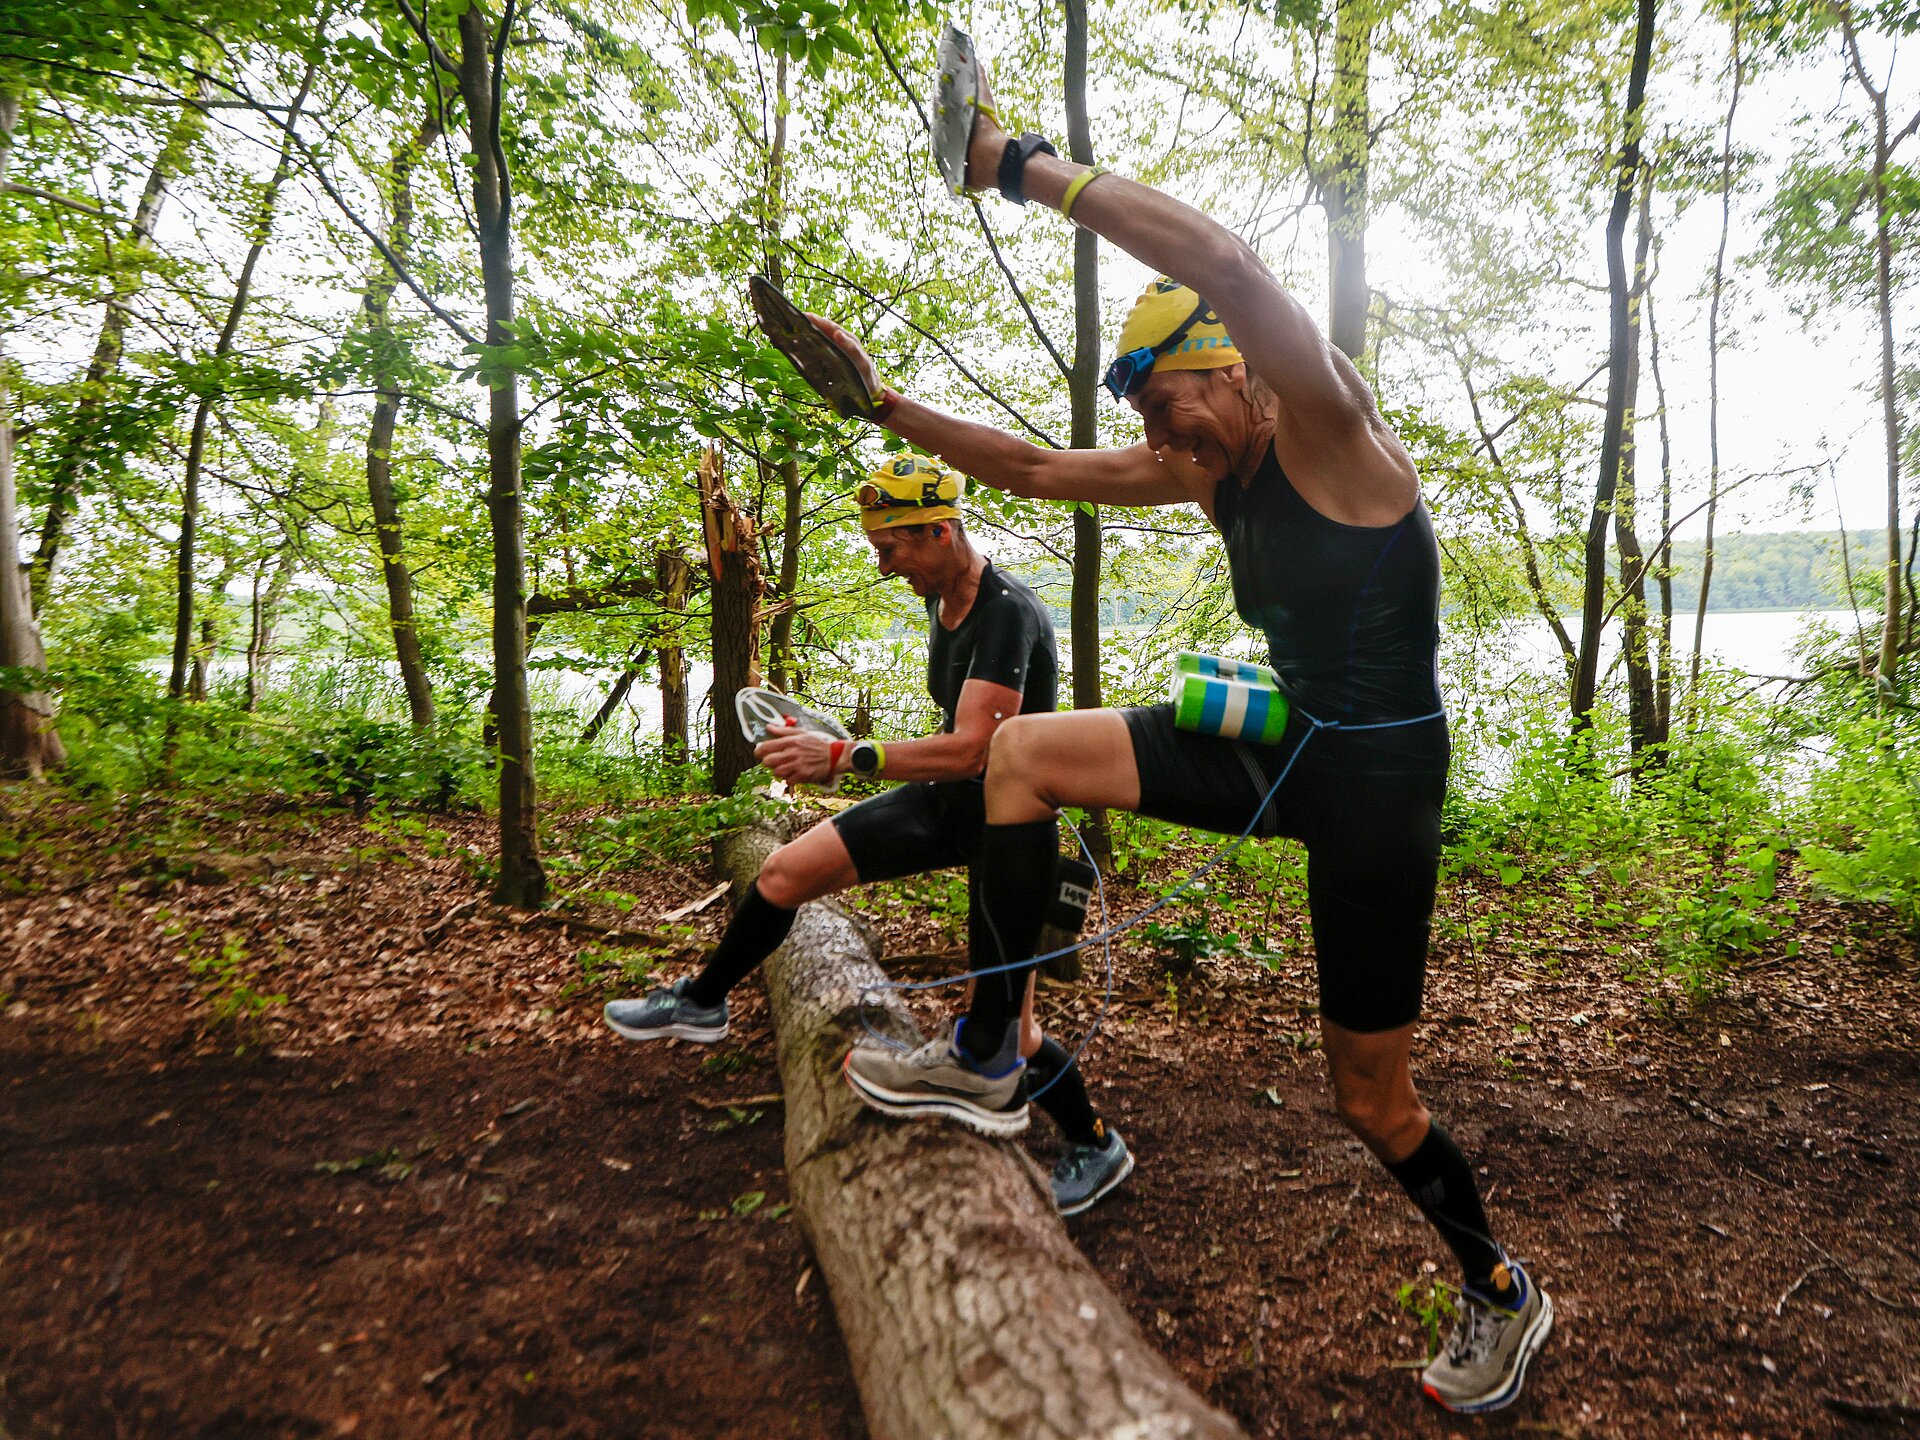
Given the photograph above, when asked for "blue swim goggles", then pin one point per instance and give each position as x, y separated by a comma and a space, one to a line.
1130, 371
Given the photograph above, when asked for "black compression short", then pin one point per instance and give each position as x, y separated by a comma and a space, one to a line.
1367, 806
915, 827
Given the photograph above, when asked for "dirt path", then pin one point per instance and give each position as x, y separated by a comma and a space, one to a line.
434, 1198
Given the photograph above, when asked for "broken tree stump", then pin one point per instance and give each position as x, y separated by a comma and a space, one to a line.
967, 1312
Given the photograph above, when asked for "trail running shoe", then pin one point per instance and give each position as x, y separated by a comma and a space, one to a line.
1484, 1362
668, 1015
942, 1079
1087, 1173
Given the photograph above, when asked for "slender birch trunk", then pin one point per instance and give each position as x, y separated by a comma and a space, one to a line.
376, 312
1083, 389
29, 744
1593, 600
523, 879
1718, 292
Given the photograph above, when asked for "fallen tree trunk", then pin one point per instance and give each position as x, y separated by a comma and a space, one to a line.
967, 1313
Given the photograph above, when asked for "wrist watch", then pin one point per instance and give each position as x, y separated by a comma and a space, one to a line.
864, 759
1013, 164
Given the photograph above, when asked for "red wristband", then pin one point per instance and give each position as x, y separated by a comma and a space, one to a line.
889, 397
835, 749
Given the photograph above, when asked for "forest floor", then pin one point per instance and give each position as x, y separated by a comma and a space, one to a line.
428, 1194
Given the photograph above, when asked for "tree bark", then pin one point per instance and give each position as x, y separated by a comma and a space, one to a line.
615, 696
736, 590
203, 653
676, 578
1642, 727
1663, 558
203, 412
264, 612
966, 1310
376, 312
1593, 600
29, 744
523, 879
1529, 559
1890, 648
780, 633
1083, 389
1343, 186
1718, 292
66, 470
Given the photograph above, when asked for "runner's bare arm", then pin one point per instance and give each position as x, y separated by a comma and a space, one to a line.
1133, 476
1331, 427
804, 756
963, 754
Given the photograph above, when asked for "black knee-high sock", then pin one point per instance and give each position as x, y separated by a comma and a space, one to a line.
1054, 1081
1439, 1180
755, 932
1012, 884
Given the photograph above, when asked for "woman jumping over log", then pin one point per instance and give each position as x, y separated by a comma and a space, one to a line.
1251, 415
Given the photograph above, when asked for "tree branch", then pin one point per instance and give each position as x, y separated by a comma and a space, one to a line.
979, 214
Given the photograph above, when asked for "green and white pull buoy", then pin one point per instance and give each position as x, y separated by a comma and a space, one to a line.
1233, 699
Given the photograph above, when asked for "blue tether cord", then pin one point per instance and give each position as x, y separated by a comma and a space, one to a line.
1106, 936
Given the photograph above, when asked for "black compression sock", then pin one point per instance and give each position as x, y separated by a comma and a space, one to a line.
1012, 885
755, 932
1436, 1175
1053, 1079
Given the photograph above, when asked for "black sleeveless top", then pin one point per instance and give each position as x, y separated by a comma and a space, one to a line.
1351, 613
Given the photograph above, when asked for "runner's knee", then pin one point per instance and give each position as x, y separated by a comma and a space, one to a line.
1014, 758
787, 881
1031, 1037
1381, 1116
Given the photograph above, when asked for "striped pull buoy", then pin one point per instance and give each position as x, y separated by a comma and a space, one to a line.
1233, 699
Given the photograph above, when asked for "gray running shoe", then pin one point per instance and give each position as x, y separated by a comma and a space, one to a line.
1483, 1364
1087, 1173
942, 1079
668, 1015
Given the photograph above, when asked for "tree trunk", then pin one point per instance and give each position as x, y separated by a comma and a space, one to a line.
1529, 559
736, 589
676, 578
1718, 290
264, 610
67, 468
1593, 600
780, 633
1641, 725
1890, 647
966, 1310
29, 745
1663, 558
375, 310
203, 412
615, 697
209, 645
1083, 389
523, 880
1343, 188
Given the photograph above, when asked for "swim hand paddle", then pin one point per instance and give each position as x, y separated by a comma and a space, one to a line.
762, 712
821, 363
956, 103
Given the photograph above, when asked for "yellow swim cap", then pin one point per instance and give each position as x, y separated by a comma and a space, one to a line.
1164, 308
910, 489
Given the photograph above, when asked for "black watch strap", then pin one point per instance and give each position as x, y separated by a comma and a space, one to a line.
1013, 164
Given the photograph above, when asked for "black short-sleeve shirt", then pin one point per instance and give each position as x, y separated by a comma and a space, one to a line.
1006, 639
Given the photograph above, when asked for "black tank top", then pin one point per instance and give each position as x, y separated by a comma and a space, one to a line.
1351, 613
